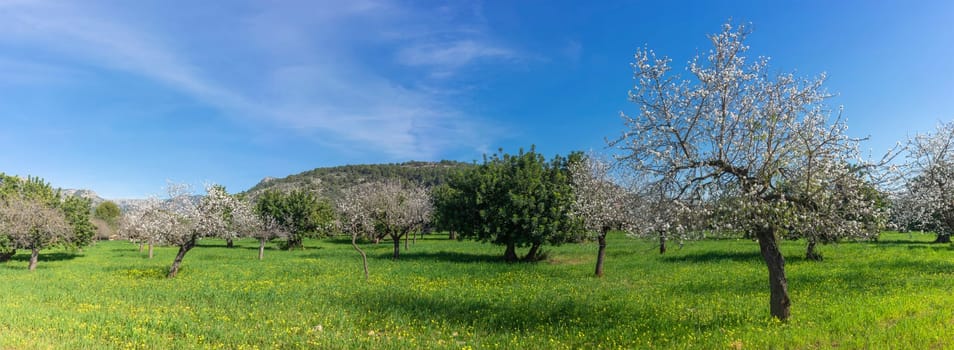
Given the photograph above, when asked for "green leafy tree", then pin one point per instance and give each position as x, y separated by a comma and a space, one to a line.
453, 205
109, 212
302, 213
77, 210
515, 201
32, 217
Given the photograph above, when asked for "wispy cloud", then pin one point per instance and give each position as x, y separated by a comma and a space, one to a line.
452, 54
313, 66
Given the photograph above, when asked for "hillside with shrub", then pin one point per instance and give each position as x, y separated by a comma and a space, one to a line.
332, 181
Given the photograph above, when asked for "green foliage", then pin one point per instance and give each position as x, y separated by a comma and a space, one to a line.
894, 294
513, 200
453, 210
301, 212
31, 187
109, 212
331, 182
77, 211
7, 250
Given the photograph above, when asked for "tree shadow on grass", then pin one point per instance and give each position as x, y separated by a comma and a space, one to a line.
56, 256
715, 256
909, 265
903, 242
445, 256
524, 314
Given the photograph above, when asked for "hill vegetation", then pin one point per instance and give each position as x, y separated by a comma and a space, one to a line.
331, 182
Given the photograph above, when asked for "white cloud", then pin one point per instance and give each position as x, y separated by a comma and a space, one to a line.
310, 72
452, 54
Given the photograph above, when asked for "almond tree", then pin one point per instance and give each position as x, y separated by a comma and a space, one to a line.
245, 222
602, 204
189, 221
32, 224
355, 218
735, 133
145, 225
656, 215
927, 198
386, 208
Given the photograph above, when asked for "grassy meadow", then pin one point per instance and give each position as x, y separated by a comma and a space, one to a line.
895, 293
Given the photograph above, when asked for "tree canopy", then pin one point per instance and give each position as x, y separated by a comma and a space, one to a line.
513, 200
736, 133
301, 212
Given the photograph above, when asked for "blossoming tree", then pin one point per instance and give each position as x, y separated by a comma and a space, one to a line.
31, 223
601, 203
734, 133
927, 198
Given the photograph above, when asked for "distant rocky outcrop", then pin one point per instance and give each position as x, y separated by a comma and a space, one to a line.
92, 196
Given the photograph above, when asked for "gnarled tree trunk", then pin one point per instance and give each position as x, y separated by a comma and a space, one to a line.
150, 249
810, 252
662, 243
229, 243
532, 254
34, 256
452, 235
397, 246
510, 255
364, 257
601, 253
768, 245
183, 249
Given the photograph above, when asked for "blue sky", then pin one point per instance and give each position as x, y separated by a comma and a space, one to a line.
120, 96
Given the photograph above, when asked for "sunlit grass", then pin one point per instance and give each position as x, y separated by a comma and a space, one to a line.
896, 293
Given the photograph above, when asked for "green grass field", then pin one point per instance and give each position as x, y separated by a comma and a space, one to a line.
896, 293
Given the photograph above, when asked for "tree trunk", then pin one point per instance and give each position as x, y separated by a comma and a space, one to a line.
261, 248
943, 238
778, 301
601, 254
452, 235
229, 243
811, 253
510, 255
532, 254
150, 250
364, 257
406, 238
662, 243
183, 249
141, 244
34, 256
397, 246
